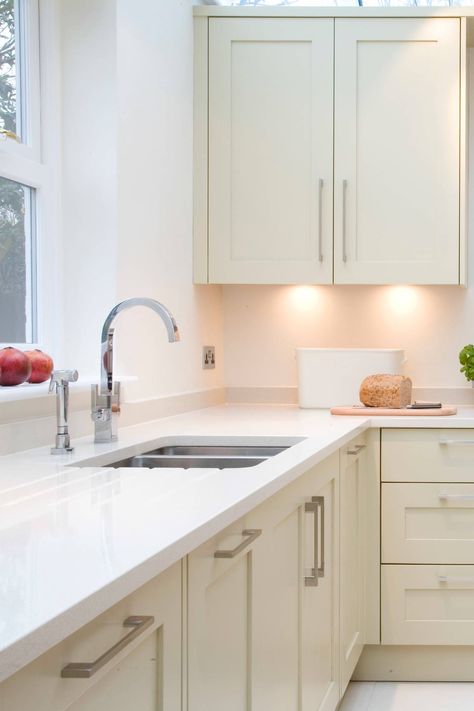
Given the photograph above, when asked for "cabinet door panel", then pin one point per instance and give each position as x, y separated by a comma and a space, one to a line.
145, 675
220, 608
295, 637
397, 145
134, 683
320, 609
276, 624
353, 493
270, 146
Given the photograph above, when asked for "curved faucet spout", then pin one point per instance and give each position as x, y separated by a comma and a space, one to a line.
107, 349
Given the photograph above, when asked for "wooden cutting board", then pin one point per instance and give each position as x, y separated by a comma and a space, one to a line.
394, 412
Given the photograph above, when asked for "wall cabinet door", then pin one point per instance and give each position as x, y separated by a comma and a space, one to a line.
270, 150
397, 151
353, 496
145, 675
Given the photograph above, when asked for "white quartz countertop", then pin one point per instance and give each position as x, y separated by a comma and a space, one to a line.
75, 540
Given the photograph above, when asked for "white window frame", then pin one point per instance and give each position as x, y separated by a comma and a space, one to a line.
35, 161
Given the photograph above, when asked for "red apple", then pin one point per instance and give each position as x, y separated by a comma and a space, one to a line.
41, 366
15, 366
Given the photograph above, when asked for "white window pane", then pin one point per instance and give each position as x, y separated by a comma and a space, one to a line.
17, 263
11, 83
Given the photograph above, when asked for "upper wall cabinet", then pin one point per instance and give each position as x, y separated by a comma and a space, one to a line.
329, 150
397, 151
270, 150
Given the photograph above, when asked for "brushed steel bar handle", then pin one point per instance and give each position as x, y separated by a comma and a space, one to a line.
320, 220
320, 500
455, 579
84, 670
456, 497
357, 448
315, 506
456, 441
250, 534
344, 240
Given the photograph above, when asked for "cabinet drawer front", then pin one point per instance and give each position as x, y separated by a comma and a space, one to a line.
428, 604
428, 523
428, 455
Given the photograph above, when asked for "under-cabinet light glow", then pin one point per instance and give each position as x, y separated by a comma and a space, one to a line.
305, 298
402, 299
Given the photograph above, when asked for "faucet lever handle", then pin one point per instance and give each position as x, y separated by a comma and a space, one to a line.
62, 377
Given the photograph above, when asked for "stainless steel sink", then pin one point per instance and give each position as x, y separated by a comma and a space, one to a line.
203, 450
201, 457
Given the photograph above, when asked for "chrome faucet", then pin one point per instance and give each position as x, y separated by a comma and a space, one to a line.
59, 383
105, 401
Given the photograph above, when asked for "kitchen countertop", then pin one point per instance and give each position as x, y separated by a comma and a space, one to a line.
74, 541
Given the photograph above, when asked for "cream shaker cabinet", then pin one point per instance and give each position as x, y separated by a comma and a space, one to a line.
270, 150
144, 672
427, 571
263, 620
353, 516
397, 151
280, 102
220, 599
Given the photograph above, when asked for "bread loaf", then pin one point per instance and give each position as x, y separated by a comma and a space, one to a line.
385, 391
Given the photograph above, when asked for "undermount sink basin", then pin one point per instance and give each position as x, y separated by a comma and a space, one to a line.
200, 457
194, 452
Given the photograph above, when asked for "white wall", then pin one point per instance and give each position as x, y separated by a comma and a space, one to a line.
155, 65
89, 176
263, 326
127, 95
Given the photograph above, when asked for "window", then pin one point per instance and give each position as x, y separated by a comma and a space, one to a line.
22, 174
17, 262
9, 69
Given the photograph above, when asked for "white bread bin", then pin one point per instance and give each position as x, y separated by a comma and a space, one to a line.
331, 377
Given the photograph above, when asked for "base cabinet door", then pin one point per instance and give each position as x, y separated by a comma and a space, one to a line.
320, 687
295, 652
277, 585
261, 633
353, 496
221, 612
145, 675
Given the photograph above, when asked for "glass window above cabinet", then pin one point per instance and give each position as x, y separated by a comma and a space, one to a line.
10, 69
343, 3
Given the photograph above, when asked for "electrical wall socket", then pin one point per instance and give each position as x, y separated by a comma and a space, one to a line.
208, 357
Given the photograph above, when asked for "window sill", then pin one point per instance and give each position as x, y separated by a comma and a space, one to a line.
30, 391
